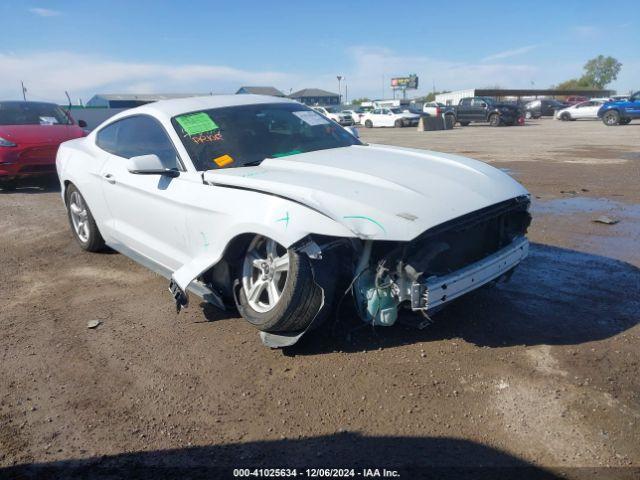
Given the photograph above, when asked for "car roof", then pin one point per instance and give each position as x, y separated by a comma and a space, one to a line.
171, 108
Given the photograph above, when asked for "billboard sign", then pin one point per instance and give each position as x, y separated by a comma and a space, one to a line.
410, 82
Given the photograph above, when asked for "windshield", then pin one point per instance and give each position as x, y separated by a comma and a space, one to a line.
246, 135
32, 113
395, 110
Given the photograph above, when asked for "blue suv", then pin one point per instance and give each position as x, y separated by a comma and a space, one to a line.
621, 112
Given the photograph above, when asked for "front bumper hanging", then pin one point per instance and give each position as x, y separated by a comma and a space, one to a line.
435, 291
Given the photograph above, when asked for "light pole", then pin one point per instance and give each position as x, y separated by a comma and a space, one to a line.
339, 77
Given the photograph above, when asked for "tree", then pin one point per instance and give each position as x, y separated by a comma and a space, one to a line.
430, 97
598, 73
358, 101
601, 71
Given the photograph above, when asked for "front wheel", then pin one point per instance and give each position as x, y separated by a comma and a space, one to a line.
368, 123
278, 292
611, 118
494, 120
565, 117
398, 124
82, 223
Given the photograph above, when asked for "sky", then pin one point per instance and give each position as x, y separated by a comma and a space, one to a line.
162, 46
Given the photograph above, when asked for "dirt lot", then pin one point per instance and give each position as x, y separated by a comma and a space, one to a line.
539, 372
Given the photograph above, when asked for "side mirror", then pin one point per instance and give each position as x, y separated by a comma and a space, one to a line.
353, 131
149, 165
82, 124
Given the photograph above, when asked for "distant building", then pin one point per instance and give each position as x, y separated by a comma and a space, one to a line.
315, 96
129, 100
453, 98
272, 91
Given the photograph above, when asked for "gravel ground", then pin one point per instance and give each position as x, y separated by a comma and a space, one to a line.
541, 372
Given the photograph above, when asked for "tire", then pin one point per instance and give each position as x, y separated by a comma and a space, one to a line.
298, 299
368, 124
8, 185
494, 120
611, 118
450, 118
565, 117
464, 124
398, 124
82, 223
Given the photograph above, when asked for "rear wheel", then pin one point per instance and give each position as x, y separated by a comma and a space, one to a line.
368, 123
8, 185
611, 118
82, 223
494, 120
278, 292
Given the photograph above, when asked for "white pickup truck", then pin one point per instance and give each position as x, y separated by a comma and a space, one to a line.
336, 115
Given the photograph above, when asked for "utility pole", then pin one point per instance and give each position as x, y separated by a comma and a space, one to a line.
24, 91
339, 77
346, 93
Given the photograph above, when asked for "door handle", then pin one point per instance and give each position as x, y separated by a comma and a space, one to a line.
109, 178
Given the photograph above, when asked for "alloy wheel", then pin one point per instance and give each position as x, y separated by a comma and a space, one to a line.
79, 218
264, 273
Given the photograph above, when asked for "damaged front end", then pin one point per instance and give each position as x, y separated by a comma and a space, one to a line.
441, 264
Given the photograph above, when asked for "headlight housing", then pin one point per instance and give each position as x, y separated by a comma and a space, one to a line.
6, 143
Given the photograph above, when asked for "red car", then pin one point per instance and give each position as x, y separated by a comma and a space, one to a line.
573, 99
30, 133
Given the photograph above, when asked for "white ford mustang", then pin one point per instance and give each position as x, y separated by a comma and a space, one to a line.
264, 204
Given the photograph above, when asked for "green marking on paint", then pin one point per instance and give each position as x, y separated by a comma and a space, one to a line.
362, 217
286, 154
196, 123
284, 219
204, 238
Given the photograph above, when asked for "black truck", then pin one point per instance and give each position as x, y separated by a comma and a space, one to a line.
484, 109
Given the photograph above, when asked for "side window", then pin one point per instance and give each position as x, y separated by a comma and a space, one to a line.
143, 135
106, 138
465, 102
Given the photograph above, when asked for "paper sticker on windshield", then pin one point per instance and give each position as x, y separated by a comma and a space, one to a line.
196, 123
48, 120
223, 161
311, 118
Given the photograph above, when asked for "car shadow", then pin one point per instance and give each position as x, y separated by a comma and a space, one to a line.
555, 297
36, 184
411, 457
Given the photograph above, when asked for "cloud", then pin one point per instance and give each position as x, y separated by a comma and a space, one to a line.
44, 12
510, 53
84, 75
586, 31
367, 71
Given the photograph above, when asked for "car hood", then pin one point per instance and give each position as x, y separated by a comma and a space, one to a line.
39, 134
377, 191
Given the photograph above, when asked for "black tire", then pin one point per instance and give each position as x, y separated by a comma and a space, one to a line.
565, 117
611, 118
450, 118
464, 124
8, 185
368, 124
95, 242
298, 305
494, 120
398, 124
